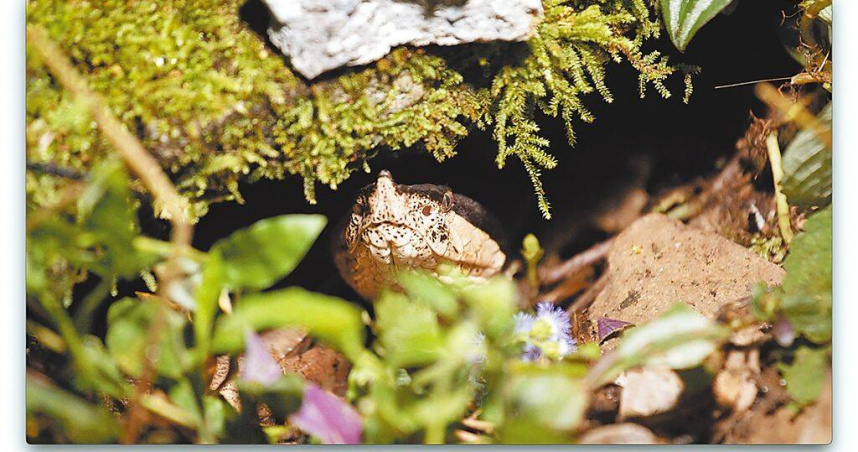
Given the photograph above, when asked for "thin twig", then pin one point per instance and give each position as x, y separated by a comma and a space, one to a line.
586, 298
583, 259
754, 82
136, 157
53, 169
150, 173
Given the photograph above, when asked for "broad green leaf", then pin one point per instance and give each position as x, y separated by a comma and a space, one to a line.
108, 221
257, 257
427, 289
494, 305
330, 319
551, 399
207, 296
106, 376
408, 330
679, 339
182, 396
684, 18
806, 375
807, 166
807, 284
80, 421
129, 325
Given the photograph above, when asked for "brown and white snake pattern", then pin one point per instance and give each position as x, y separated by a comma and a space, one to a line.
393, 227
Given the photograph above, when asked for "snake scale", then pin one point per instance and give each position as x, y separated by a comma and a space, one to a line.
393, 226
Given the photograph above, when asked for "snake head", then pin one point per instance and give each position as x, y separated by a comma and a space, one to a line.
407, 221
393, 226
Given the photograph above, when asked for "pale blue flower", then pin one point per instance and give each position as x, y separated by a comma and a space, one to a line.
545, 335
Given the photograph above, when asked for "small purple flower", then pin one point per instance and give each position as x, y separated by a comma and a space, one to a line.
557, 317
531, 353
546, 334
259, 366
523, 323
328, 418
783, 331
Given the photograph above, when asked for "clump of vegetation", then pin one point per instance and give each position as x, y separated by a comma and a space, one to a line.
439, 354
216, 106
437, 361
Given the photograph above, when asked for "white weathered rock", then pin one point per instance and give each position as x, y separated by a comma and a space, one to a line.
625, 433
649, 391
320, 35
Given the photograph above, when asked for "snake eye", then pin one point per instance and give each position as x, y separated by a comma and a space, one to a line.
447, 202
427, 210
359, 208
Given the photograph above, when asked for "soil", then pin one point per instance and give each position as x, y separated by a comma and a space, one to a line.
657, 262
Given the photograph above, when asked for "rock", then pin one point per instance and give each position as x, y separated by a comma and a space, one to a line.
761, 425
626, 433
658, 261
649, 391
735, 386
320, 35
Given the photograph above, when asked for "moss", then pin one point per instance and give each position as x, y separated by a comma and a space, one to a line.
216, 106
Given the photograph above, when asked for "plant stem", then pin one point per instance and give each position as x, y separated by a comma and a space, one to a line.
780, 198
146, 167
90, 303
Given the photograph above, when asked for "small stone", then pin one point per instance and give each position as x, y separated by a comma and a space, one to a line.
626, 433
321, 35
649, 391
735, 386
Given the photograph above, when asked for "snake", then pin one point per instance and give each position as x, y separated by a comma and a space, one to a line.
393, 226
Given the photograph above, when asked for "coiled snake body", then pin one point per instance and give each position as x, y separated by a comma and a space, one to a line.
394, 226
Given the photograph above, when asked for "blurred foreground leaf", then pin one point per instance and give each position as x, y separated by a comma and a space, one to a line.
333, 320
80, 421
806, 375
408, 330
258, 256
328, 418
807, 284
129, 327
681, 338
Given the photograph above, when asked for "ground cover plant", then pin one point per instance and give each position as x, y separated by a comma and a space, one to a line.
708, 286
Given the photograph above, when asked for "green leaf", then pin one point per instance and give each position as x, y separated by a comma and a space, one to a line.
129, 325
258, 256
684, 18
108, 221
105, 376
408, 331
283, 397
679, 339
807, 284
81, 422
494, 305
806, 375
207, 296
330, 319
427, 289
807, 166
550, 399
